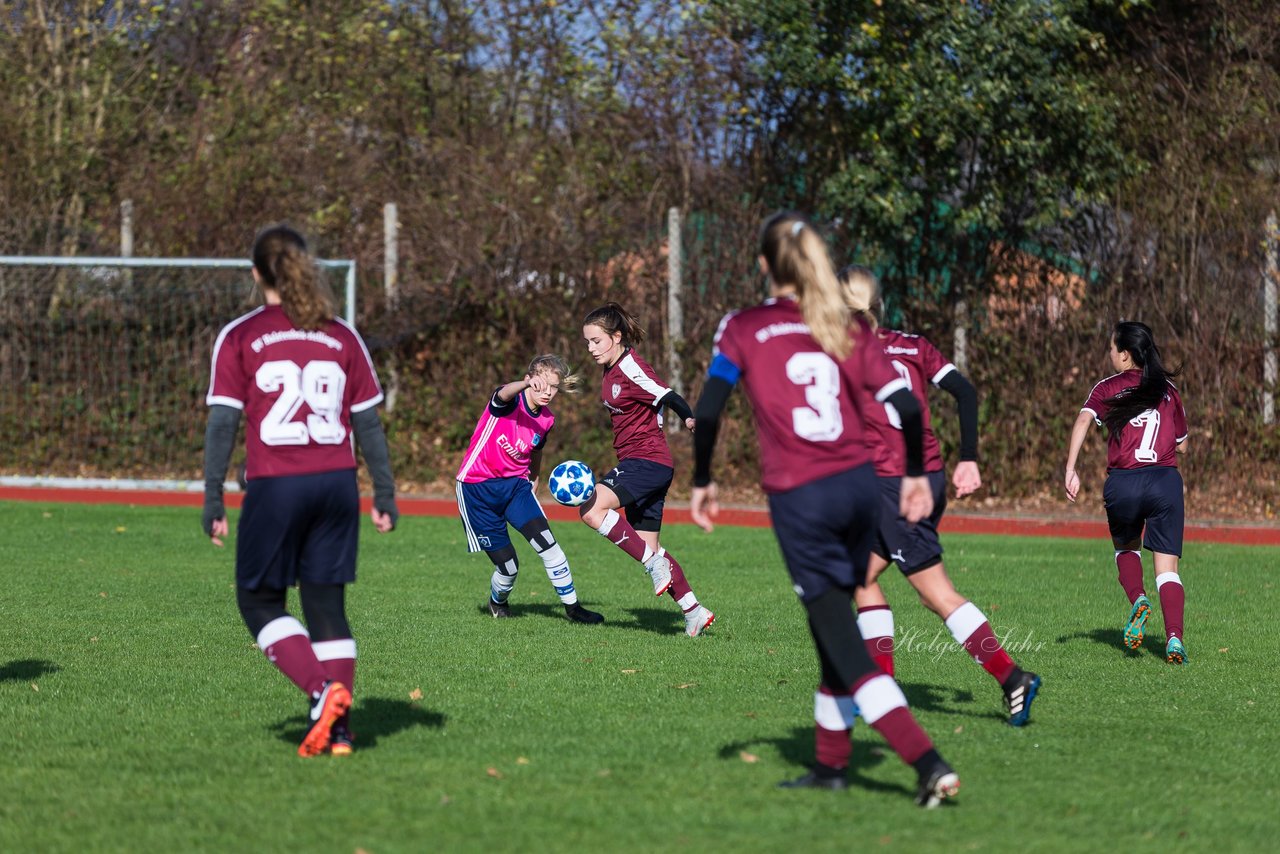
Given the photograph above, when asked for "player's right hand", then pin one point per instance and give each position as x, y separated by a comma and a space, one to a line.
1071, 483
916, 499
217, 531
704, 505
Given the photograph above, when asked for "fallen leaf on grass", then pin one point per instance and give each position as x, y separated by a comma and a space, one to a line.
415, 694
445, 799
748, 757
493, 772
632, 670
35, 687
1224, 649
687, 685
959, 729
102, 593
120, 529
522, 760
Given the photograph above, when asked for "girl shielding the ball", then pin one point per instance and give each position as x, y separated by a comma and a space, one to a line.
306, 384
635, 395
916, 548
497, 479
1146, 430
810, 374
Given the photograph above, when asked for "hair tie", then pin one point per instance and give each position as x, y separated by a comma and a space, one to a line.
797, 227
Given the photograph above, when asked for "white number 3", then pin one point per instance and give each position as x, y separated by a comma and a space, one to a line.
320, 385
821, 420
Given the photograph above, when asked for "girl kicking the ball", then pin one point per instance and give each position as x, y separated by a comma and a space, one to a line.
497, 479
634, 394
1146, 430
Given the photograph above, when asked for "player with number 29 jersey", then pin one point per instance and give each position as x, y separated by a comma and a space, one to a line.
297, 389
812, 425
1148, 439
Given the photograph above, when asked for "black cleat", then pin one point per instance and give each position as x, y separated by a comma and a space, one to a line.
579, 614
499, 609
937, 785
1018, 695
814, 780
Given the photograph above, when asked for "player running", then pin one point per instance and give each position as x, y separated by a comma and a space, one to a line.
497, 479
915, 548
634, 394
306, 384
810, 376
1146, 430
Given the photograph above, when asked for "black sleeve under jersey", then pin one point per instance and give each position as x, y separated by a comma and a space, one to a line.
677, 404
955, 384
377, 456
219, 439
715, 394
912, 429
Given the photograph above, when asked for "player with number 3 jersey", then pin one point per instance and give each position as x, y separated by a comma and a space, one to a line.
307, 387
1146, 430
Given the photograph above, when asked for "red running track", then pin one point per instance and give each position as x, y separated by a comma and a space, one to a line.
953, 523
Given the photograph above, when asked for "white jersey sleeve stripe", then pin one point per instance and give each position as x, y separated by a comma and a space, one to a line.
886, 391
942, 372
220, 400
640, 378
366, 404
213, 363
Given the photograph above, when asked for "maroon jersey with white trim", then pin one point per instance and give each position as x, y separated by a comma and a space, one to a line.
809, 408
919, 363
630, 390
297, 389
1149, 439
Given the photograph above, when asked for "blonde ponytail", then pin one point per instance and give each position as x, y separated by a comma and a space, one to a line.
861, 291
797, 255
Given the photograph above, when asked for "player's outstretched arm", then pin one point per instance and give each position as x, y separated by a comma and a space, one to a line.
219, 439
377, 456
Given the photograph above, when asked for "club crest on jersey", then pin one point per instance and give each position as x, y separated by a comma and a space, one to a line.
617, 390
537, 439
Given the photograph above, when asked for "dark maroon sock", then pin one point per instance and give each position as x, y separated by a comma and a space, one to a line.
1129, 567
1172, 601
295, 659
622, 535
680, 588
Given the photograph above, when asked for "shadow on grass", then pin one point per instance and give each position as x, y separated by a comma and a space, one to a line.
1114, 638
26, 669
797, 749
662, 621
372, 718
933, 698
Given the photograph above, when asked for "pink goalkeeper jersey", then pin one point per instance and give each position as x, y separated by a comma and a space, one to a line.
1149, 439
505, 437
809, 409
920, 364
297, 389
630, 390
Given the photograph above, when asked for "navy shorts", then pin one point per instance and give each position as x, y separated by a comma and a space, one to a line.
488, 506
641, 487
911, 547
1149, 497
300, 528
826, 528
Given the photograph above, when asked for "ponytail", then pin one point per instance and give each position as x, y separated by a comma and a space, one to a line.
280, 256
797, 255
861, 291
612, 318
1137, 340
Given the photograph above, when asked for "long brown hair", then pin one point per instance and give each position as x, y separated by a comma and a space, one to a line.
1140, 343
280, 256
797, 255
612, 318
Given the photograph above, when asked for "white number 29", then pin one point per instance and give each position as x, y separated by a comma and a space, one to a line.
319, 384
821, 420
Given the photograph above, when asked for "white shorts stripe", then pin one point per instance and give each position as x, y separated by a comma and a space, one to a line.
964, 621
279, 629
877, 697
473, 544
334, 649
835, 713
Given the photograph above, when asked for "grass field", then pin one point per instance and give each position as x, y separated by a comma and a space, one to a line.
141, 717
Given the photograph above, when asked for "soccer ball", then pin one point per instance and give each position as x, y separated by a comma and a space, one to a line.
571, 483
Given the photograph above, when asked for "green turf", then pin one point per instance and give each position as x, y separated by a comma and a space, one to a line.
140, 716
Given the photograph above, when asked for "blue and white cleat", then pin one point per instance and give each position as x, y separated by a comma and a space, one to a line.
1135, 629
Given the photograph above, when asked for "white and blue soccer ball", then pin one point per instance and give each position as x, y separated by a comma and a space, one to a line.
571, 483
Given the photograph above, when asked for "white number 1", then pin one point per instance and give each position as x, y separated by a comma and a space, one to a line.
821, 420
320, 385
1149, 421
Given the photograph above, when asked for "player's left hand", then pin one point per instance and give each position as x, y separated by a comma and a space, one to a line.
916, 499
966, 478
689, 422
218, 530
385, 519
704, 505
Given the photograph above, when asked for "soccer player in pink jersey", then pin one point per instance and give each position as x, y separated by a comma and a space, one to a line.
496, 484
810, 374
915, 548
1146, 430
306, 385
635, 395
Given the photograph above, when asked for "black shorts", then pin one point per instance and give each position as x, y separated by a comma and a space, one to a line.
641, 487
826, 528
1149, 497
300, 528
911, 547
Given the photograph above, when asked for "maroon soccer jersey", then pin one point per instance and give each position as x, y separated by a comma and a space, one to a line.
630, 390
297, 389
1149, 439
918, 363
809, 408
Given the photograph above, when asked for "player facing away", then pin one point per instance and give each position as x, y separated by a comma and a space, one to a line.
496, 482
306, 385
1146, 430
634, 394
810, 374
916, 548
